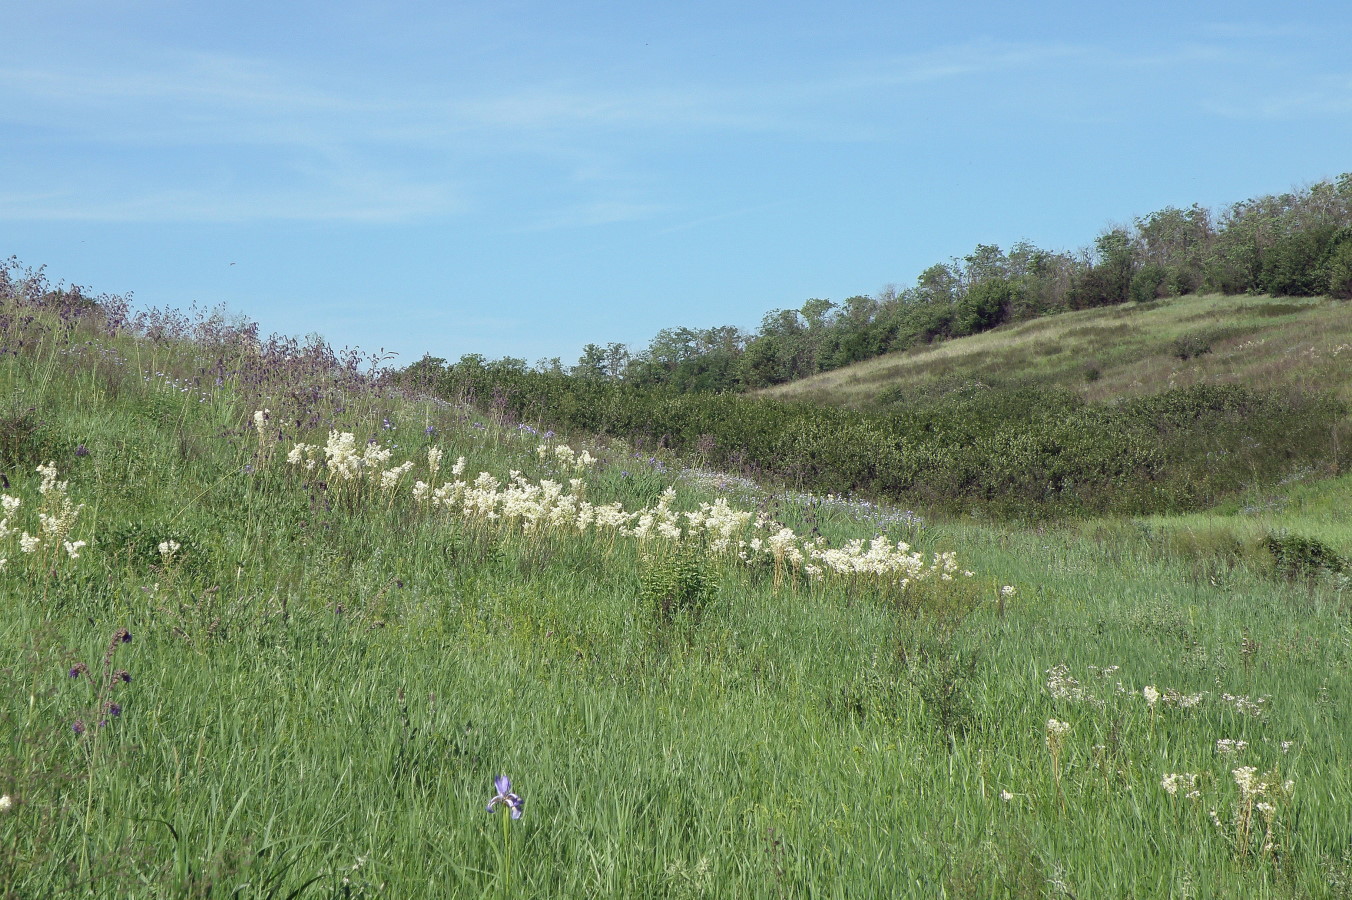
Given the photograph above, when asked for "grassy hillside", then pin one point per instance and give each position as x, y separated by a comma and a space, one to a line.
1116, 352
231, 673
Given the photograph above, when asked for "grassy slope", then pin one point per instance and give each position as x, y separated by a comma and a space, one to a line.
325, 690
1304, 344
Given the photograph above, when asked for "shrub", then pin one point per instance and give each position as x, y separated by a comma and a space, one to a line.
1302, 557
678, 587
1191, 345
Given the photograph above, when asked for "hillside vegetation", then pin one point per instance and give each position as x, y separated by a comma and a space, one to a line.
1170, 406
278, 626
1300, 345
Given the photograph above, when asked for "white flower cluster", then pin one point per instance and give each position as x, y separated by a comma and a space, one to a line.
565, 457
1245, 705
1171, 697
1056, 733
893, 564
1230, 745
339, 457
1061, 685
8, 506
1184, 781
1252, 786
723, 531
56, 517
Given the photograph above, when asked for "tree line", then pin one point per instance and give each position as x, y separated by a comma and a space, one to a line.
1293, 244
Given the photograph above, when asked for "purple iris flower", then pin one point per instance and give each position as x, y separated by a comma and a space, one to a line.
505, 795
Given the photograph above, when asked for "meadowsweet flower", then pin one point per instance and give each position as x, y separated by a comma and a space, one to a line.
1056, 731
1005, 591
1006, 796
1151, 695
1175, 781
515, 803
168, 549
1228, 745
29, 543
1247, 782
73, 549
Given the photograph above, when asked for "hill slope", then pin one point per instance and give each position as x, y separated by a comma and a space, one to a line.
1115, 352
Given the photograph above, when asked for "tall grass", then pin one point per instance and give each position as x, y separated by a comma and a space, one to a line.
322, 690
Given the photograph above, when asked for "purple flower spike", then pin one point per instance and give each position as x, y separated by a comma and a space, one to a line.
505, 795
78, 727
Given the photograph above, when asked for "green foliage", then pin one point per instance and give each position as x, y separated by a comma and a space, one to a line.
1191, 345
678, 587
1296, 556
28, 441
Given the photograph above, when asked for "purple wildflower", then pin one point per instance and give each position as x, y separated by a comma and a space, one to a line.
78, 726
78, 669
114, 709
81, 450
505, 795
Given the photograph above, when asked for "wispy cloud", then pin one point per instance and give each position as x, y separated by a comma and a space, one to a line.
295, 143
1322, 99
600, 212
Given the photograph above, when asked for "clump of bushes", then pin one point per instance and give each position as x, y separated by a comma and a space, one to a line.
1296, 556
1191, 345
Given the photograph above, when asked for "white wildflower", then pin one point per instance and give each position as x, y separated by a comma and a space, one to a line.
1176, 781
1152, 696
1248, 783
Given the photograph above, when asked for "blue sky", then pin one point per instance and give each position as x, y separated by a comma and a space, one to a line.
521, 178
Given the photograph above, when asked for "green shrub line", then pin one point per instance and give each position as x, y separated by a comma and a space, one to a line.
1012, 451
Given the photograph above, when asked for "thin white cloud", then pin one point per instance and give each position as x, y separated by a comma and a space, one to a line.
1325, 98
586, 215
298, 144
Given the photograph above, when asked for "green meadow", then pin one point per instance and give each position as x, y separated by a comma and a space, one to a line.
238, 669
